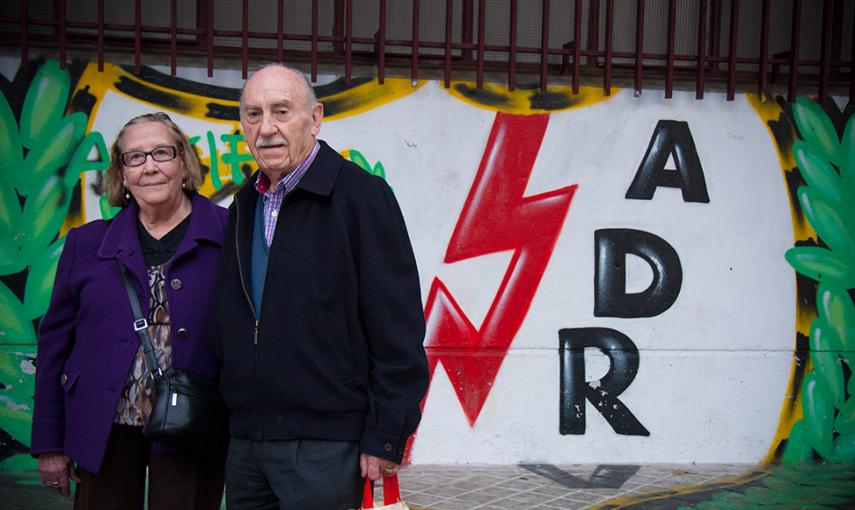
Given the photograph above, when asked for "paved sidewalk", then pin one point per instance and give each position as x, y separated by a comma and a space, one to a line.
548, 487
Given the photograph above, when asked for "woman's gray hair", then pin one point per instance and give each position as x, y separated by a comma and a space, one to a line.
115, 188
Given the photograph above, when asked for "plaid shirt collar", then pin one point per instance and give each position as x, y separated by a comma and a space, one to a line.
288, 181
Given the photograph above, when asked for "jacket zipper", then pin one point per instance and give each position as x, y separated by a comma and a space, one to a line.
240, 272
251, 307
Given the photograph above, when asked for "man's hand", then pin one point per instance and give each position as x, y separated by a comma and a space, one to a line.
374, 467
55, 469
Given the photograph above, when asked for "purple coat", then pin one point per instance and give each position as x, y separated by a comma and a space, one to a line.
86, 340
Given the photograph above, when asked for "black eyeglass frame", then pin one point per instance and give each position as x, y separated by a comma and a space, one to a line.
159, 159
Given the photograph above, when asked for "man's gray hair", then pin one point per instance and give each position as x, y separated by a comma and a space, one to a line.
311, 98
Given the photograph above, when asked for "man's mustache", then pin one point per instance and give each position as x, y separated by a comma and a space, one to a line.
268, 142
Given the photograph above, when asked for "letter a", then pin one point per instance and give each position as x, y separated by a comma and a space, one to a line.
671, 138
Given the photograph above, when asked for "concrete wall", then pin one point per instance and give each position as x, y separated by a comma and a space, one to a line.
605, 279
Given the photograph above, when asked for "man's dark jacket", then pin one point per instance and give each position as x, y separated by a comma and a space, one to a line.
337, 351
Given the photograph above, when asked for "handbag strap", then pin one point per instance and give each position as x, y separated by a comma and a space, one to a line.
391, 492
140, 325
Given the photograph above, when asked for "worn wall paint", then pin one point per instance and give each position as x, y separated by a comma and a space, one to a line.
604, 279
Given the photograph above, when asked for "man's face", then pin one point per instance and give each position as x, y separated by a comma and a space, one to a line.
279, 126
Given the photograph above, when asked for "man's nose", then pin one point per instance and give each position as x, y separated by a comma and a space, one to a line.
267, 127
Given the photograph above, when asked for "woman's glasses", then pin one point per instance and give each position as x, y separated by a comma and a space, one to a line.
159, 154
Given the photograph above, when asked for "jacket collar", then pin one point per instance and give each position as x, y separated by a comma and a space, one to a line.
121, 240
319, 178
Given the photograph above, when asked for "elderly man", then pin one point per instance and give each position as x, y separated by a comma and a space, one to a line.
317, 317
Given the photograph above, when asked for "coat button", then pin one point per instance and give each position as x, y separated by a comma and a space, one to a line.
63, 379
183, 332
387, 447
176, 284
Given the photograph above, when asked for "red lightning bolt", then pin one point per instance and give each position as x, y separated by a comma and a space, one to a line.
496, 217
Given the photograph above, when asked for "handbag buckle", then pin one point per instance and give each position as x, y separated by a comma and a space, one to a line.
140, 324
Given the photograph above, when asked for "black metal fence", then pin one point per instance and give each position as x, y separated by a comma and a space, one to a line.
805, 46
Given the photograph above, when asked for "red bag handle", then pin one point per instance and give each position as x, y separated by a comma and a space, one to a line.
391, 492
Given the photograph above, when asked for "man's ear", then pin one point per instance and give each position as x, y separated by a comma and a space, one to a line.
317, 118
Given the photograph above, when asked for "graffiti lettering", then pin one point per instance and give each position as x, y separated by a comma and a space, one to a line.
611, 247
670, 138
623, 366
234, 158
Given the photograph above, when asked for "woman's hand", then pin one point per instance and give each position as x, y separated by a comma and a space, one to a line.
55, 469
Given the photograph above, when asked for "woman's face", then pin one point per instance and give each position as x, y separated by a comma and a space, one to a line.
152, 166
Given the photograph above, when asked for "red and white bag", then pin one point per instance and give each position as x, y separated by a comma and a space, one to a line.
391, 495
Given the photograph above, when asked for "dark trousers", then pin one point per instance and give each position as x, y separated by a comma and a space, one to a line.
180, 481
292, 475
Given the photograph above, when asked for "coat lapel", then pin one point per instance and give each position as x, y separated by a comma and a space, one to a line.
122, 243
204, 227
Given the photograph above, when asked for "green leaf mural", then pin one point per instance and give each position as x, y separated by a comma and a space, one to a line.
818, 263
357, 157
11, 152
44, 213
40, 280
40, 166
791, 487
828, 202
15, 327
816, 129
44, 161
10, 209
44, 104
16, 368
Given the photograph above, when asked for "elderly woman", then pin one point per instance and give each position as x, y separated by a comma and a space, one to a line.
92, 397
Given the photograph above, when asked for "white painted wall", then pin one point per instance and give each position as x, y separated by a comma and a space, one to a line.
714, 367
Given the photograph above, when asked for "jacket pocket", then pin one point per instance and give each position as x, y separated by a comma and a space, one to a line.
338, 342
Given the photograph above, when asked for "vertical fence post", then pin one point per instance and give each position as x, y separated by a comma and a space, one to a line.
381, 46
593, 30
467, 22
512, 50
639, 44
60, 5
25, 36
209, 14
607, 75
544, 46
449, 20
244, 28
348, 42
702, 39
731, 50
173, 37
414, 60
100, 30
280, 31
794, 51
825, 50
762, 79
338, 26
482, 18
137, 36
577, 44
852, 64
315, 16
669, 59
715, 34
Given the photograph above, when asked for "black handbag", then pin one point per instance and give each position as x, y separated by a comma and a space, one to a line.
188, 410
